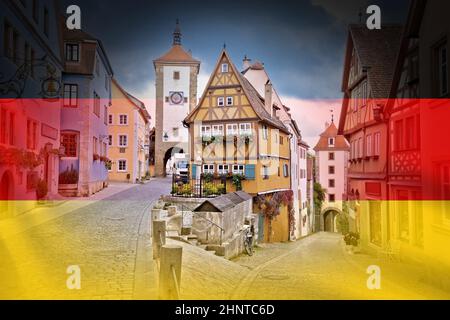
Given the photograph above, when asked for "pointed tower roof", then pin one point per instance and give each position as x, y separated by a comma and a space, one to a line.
177, 54
340, 143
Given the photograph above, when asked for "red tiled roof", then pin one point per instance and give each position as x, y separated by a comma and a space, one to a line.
331, 131
177, 54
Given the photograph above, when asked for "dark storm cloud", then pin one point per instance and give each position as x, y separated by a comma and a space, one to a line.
301, 43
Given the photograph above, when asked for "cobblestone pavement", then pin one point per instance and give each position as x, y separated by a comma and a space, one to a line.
110, 243
317, 267
101, 238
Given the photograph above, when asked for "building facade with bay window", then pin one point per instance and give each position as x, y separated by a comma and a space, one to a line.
84, 116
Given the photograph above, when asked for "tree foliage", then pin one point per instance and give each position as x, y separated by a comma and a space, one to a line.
319, 196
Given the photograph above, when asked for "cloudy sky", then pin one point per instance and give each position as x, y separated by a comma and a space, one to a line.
301, 43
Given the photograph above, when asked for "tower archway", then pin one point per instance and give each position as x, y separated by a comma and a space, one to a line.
169, 156
329, 217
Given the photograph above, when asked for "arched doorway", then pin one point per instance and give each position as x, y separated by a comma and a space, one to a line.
6, 194
169, 158
330, 221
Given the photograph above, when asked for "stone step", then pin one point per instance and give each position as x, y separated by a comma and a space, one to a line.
68, 193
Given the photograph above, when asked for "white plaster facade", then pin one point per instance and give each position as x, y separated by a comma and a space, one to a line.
332, 152
305, 219
174, 114
259, 78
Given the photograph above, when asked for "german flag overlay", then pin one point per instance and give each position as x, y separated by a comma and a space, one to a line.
220, 181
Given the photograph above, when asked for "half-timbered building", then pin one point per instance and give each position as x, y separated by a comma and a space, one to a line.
368, 71
236, 134
419, 154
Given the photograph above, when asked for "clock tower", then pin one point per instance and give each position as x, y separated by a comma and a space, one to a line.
176, 95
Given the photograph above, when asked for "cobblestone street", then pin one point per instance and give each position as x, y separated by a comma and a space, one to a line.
317, 267
109, 240
100, 238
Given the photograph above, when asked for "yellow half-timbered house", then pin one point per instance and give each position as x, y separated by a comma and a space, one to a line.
235, 133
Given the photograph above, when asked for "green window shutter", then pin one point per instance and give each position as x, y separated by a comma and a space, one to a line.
194, 171
250, 171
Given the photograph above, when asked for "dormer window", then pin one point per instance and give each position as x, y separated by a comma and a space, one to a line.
224, 67
331, 142
72, 52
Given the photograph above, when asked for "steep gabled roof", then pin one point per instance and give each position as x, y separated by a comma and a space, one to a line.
377, 51
255, 99
411, 31
135, 101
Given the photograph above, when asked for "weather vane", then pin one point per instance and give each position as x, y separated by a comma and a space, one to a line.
332, 115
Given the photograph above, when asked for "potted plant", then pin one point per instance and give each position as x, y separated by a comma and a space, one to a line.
41, 190
351, 240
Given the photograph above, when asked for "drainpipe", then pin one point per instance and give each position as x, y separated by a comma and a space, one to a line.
388, 196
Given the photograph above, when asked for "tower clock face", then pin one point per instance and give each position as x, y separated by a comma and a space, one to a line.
176, 97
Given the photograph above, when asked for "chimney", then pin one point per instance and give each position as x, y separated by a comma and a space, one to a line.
268, 97
246, 63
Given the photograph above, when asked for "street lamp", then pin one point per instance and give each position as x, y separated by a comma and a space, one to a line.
50, 87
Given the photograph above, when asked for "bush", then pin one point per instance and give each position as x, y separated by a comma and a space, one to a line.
351, 239
221, 188
208, 177
237, 181
41, 189
186, 189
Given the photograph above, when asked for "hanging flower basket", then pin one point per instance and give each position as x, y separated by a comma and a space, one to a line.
20, 158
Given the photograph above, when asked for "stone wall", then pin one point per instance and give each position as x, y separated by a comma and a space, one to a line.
183, 204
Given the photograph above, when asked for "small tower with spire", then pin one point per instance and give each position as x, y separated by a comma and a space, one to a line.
176, 74
177, 34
